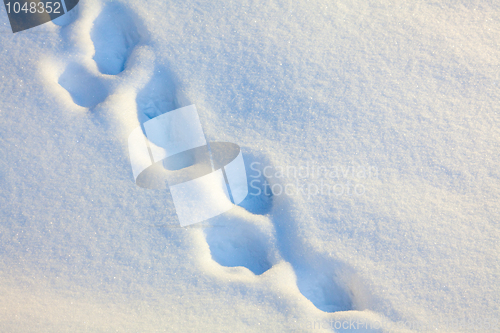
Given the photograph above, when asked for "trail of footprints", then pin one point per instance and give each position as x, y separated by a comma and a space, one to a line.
254, 238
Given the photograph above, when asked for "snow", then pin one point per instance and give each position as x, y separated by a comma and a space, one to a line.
399, 100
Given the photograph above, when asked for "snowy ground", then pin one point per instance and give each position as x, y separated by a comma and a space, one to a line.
396, 101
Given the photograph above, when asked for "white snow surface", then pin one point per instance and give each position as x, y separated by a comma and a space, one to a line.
406, 93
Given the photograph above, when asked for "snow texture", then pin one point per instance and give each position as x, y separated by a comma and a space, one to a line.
394, 103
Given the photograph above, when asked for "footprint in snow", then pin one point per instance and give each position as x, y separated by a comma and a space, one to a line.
114, 36
247, 236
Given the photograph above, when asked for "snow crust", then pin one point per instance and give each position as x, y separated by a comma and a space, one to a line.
394, 103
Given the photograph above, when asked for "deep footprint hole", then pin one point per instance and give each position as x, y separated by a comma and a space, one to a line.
238, 244
157, 97
85, 89
323, 290
114, 36
326, 282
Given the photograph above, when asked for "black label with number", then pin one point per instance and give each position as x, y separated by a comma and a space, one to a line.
26, 14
